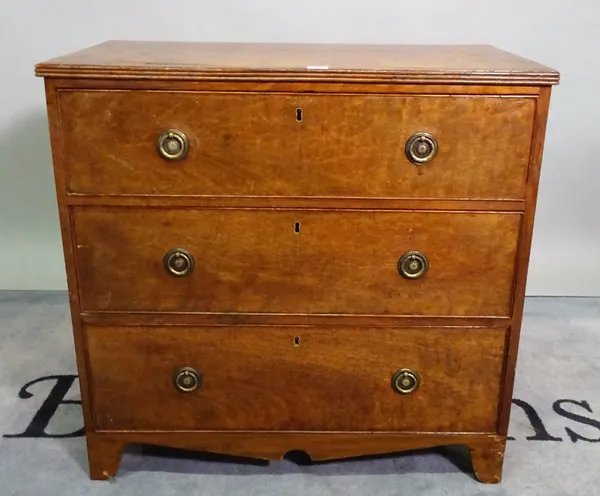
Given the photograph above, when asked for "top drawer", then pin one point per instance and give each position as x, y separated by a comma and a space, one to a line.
261, 144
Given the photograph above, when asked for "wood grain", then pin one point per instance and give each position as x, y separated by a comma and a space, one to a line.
253, 172
271, 61
104, 455
105, 448
350, 87
335, 151
525, 239
263, 379
290, 319
68, 248
302, 202
210, 86
254, 261
488, 459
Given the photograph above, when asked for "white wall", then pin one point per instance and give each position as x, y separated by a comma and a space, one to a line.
564, 35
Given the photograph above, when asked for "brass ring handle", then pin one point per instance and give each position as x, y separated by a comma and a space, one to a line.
178, 262
187, 379
406, 381
413, 265
421, 148
172, 145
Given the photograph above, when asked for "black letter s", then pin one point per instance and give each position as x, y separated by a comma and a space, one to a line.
577, 418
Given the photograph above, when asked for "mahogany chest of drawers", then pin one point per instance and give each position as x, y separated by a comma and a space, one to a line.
296, 247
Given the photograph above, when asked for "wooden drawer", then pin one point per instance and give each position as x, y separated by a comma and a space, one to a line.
253, 144
249, 260
265, 379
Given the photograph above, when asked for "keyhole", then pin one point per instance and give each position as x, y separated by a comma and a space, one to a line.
296, 340
297, 227
299, 114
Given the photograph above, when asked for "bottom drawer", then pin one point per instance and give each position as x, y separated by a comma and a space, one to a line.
306, 378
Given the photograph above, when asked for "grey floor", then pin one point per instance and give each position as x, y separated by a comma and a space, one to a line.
559, 360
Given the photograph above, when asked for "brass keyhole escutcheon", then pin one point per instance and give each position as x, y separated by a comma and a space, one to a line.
421, 148
187, 379
178, 262
413, 265
172, 145
405, 381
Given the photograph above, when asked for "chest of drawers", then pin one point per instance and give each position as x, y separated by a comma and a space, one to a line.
273, 248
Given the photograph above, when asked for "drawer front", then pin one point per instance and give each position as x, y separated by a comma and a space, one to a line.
295, 261
254, 144
254, 378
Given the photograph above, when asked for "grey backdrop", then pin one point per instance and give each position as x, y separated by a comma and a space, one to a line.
561, 34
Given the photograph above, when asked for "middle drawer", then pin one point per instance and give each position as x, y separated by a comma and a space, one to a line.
295, 261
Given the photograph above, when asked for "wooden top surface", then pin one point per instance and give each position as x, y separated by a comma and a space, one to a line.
480, 64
